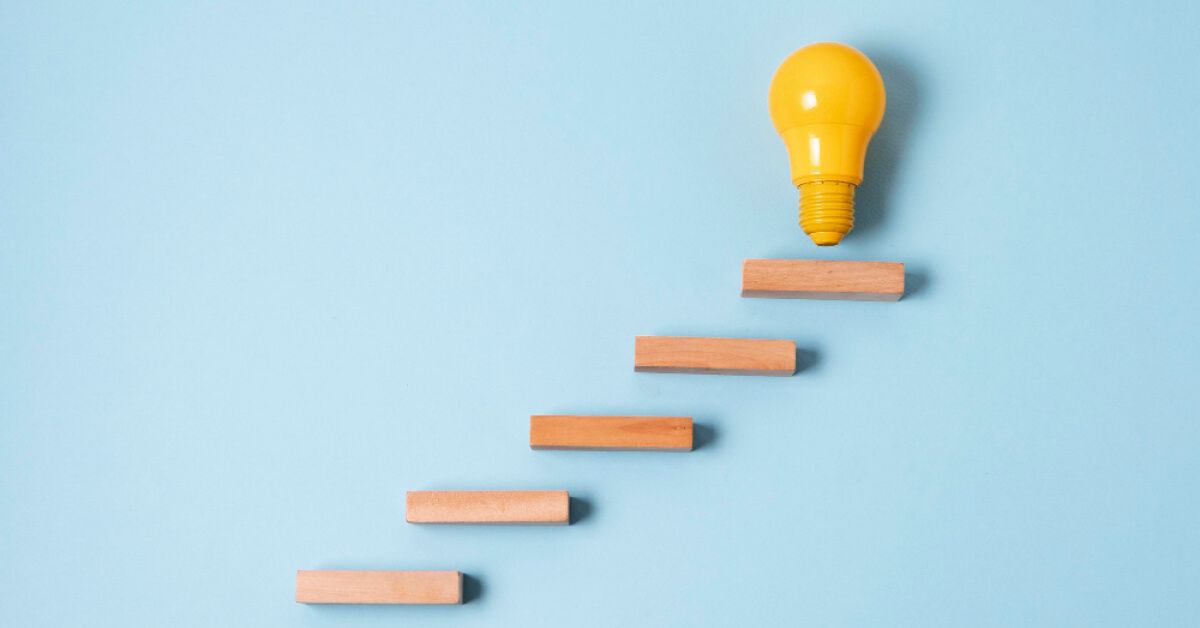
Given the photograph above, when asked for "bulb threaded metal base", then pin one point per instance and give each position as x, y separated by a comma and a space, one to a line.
827, 210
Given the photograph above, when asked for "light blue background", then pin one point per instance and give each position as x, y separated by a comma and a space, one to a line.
265, 267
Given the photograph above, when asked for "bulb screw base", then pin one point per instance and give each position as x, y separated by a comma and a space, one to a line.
827, 210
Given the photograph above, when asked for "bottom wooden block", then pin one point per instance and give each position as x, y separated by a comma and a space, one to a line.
378, 587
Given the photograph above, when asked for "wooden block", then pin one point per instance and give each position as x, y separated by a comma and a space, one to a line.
510, 507
670, 433
818, 279
378, 587
719, 356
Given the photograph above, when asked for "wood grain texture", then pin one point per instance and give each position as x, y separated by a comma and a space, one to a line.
378, 587
820, 279
717, 356
504, 507
613, 433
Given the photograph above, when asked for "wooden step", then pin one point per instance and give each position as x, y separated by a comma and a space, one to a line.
717, 356
503, 507
378, 587
821, 279
612, 433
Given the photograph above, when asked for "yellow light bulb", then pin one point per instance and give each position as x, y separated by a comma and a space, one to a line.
827, 101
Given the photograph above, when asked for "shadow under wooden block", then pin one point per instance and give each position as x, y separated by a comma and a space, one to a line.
472, 588
822, 279
703, 436
334, 586
488, 507
714, 356
581, 509
611, 433
915, 282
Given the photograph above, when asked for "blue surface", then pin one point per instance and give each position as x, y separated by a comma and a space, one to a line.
265, 268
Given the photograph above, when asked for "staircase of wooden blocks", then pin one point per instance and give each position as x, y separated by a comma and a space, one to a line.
761, 278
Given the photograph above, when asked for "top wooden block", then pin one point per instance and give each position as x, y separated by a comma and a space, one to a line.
820, 279
378, 587
717, 356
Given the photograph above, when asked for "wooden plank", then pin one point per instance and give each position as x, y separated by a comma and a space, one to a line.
506, 507
378, 587
718, 356
822, 279
614, 433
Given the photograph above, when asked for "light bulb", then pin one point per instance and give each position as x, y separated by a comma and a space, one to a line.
827, 101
